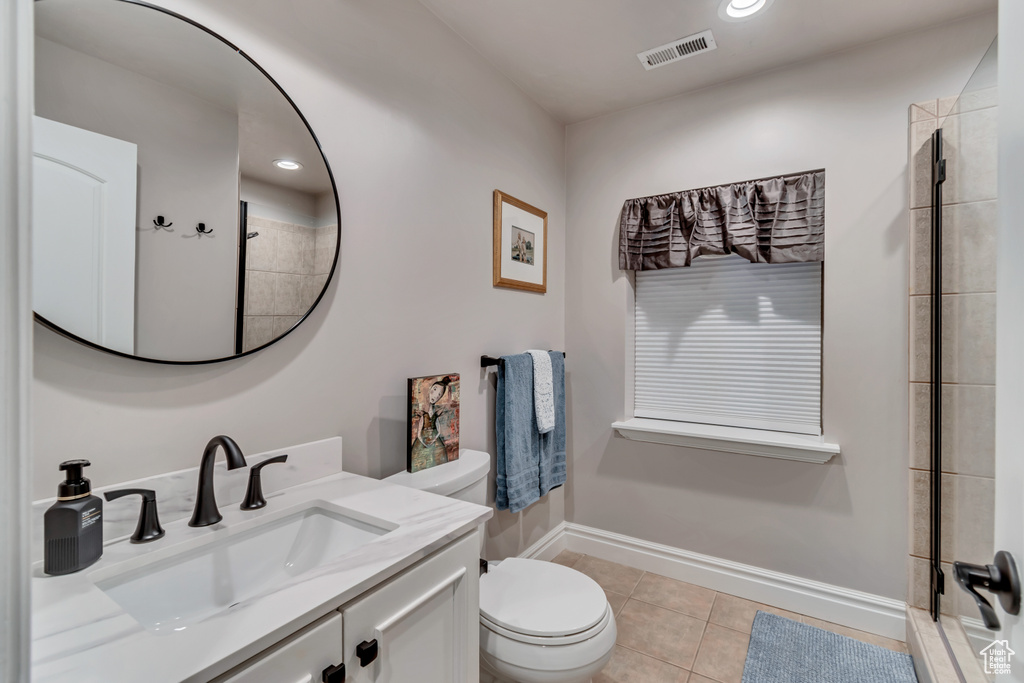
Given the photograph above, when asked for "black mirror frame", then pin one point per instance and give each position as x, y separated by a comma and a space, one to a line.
337, 207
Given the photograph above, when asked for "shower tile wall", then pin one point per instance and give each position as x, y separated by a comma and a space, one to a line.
968, 304
286, 267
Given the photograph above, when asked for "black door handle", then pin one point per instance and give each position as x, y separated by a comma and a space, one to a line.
333, 674
1000, 578
367, 651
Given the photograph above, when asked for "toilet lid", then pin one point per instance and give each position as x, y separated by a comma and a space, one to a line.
539, 598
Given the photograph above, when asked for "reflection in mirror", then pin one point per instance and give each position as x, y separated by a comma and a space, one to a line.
183, 211
288, 258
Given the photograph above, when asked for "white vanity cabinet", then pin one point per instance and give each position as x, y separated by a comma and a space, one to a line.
300, 658
421, 625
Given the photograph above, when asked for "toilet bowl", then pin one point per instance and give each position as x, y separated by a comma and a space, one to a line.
540, 622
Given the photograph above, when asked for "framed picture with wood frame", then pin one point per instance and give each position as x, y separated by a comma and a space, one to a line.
520, 244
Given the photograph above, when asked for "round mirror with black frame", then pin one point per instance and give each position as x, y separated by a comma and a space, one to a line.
183, 210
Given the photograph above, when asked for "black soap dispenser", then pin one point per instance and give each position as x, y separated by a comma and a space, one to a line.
73, 526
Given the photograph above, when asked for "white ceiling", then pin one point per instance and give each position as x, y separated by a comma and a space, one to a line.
577, 58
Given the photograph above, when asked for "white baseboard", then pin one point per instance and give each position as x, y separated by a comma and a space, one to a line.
552, 543
852, 608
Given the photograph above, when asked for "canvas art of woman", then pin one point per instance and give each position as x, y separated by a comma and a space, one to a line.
434, 421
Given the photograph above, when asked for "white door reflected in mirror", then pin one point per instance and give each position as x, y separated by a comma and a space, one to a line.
83, 233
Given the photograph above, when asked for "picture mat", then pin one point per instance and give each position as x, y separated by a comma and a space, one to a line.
513, 216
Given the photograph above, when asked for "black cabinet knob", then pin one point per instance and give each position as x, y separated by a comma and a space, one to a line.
333, 674
366, 651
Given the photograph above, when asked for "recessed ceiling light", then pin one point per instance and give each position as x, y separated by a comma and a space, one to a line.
741, 10
289, 165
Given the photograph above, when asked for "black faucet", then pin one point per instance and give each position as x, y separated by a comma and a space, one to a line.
206, 512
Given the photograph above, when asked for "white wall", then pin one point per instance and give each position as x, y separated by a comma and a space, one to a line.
419, 131
188, 173
283, 203
1009, 313
15, 338
326, 212
844, 522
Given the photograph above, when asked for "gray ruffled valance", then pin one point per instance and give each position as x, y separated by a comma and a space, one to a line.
774, 220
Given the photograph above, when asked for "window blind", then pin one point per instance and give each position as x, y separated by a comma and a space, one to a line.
730, 342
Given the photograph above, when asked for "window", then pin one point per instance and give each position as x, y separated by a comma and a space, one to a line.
732, 343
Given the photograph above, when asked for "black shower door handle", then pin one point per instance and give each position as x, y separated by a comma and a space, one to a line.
1000, 578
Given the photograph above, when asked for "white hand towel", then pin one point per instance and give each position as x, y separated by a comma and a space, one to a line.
543, 392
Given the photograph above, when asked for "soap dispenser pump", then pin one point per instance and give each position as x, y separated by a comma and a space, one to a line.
73, 526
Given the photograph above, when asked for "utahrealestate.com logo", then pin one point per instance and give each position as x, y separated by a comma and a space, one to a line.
997, 657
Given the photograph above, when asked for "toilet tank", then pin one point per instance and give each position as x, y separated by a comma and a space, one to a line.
464, 479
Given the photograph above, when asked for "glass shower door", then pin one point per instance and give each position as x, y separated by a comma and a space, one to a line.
966, 571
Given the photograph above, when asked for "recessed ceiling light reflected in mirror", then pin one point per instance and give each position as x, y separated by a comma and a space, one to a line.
741, 10
288, 164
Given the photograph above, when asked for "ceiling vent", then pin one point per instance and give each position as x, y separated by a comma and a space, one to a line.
678, 49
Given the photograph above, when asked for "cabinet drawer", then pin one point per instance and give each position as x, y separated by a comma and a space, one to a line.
300, 658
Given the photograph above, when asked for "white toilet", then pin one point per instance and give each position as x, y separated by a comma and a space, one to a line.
540, 622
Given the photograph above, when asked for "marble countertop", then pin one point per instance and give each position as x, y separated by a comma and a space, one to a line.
80, 634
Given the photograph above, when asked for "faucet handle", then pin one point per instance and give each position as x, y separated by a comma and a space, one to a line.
254, 499
148, 529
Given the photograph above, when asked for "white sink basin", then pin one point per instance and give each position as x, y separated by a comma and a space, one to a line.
171, 594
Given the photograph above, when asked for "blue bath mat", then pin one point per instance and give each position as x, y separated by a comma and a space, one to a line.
785, 651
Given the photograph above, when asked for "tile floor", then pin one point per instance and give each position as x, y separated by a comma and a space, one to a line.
675, 632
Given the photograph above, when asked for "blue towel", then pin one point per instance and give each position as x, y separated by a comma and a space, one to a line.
529, 464
552, 460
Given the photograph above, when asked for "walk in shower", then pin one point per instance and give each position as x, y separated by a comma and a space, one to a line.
954, 156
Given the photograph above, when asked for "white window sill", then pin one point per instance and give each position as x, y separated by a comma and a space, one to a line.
760, 442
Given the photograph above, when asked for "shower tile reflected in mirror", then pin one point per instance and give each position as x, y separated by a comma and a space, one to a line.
288, 259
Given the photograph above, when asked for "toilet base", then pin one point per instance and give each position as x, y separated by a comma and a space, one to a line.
488, 676
492, 671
